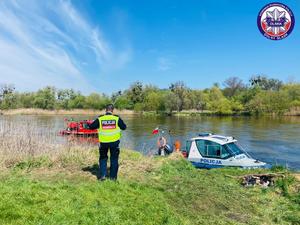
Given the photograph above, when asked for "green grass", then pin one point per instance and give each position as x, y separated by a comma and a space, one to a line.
149, 191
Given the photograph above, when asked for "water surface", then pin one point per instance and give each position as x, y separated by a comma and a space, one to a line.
274, 140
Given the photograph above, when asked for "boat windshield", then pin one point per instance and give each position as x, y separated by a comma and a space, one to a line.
234, 148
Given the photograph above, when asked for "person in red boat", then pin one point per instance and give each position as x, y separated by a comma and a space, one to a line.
109, 133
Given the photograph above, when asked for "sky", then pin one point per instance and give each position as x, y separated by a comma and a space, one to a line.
105, 45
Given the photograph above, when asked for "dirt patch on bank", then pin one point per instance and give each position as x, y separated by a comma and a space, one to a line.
297, 176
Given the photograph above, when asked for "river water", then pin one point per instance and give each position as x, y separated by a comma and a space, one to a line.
273, 140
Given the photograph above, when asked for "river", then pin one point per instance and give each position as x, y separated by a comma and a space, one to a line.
273, 140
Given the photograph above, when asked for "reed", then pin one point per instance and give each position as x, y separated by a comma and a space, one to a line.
294, 111
27, 141
34, 111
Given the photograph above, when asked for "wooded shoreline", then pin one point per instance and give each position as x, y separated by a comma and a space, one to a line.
34, 111
260, 96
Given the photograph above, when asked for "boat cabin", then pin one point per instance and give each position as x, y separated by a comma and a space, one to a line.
213, 151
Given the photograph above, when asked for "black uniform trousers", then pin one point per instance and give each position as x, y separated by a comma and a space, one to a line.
114, 149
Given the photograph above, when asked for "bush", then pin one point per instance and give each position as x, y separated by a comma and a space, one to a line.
45, 98
269, 102
96, 101
123, 103
153, 102
138, 107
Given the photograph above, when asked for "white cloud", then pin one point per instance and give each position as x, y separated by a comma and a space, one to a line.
164, 63
51, 43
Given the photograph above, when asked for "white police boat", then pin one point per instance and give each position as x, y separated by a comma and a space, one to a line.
215, 151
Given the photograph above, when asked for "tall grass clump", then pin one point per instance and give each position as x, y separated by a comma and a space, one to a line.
26, 142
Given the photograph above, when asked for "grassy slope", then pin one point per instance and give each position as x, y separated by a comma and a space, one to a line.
149, 191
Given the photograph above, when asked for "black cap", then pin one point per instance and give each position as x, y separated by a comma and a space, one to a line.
110, 107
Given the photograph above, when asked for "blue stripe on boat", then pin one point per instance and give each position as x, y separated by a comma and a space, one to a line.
206, 166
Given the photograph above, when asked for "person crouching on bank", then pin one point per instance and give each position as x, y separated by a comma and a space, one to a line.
109, 133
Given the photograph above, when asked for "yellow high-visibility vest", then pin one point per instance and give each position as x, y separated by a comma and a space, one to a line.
109, 131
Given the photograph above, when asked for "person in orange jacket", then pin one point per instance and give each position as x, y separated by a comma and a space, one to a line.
177, 146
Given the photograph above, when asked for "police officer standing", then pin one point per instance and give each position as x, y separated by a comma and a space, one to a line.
109, 133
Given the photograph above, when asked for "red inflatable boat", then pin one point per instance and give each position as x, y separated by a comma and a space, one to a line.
79, 128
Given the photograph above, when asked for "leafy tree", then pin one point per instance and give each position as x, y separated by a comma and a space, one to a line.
179, 89
64, 97
153, 101
217, 102
26, 100
78, 101
122, 102
221, 106
236, 106
232, 86
187, 100
6, 89
171, 102
293, 91
96, 101
45, 98
138, 107
215, 94
6, 95
269, 102
246, 95
199, 100
266, 83
9, 101
135, 93
116, 95
150, 88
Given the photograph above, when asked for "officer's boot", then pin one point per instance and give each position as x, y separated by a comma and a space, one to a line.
103, 169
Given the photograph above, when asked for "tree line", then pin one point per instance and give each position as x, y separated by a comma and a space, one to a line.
261, 95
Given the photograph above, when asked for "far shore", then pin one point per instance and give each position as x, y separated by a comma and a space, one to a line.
33, 111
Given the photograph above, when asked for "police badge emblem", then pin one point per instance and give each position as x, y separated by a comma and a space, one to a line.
276, 21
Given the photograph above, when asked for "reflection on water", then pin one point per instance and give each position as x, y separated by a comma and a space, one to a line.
274, 140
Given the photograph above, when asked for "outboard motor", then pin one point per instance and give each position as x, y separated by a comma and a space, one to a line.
168, 149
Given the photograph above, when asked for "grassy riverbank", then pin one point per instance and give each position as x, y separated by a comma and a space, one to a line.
63, 189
